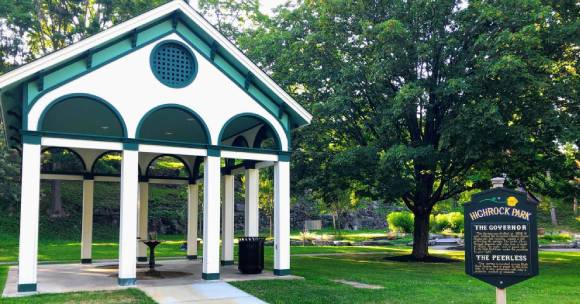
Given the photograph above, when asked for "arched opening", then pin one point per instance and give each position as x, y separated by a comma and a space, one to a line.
82, 114
61, 161
107, 164
266, 137
168, 166
173, 123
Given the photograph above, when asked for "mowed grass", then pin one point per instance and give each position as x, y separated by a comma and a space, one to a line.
125, 296
413, 282
320, 266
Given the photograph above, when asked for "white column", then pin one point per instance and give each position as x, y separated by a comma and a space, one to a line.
192, 205
87, 224
128, 230
211, 218
29, 205
143, 226
251, 208
228, 221
282, 218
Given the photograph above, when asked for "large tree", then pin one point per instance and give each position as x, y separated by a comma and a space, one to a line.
414, 99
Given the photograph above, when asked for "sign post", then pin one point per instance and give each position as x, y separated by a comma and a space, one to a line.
501, 241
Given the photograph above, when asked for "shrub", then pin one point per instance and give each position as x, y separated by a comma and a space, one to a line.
441, 222
562, 237
455, 220
401, 221
452, 221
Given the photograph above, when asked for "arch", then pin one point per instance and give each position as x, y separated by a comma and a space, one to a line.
148, 169
263, 134
240, 141
68, 114
94, 165
244, 122
44, 162
195, 171
180, 124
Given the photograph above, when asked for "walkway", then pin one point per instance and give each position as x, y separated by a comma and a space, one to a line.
200, 293
177, 281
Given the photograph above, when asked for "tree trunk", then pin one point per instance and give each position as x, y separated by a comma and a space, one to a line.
333, 221
575, 207
553, 215
57, 209
421, 235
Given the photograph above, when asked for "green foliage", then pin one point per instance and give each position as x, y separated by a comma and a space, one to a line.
556, 238
423, 100
400, 221
452, 221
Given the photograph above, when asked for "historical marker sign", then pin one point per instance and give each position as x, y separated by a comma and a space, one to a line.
501, 243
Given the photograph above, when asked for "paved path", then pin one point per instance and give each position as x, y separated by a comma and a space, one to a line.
200, 293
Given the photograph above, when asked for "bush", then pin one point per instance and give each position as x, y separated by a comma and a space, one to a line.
450, 221
455, 221
556, 238
401, 221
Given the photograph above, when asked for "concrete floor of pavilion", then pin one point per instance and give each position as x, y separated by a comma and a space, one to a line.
58, 278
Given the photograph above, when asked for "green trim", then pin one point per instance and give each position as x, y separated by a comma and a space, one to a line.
189, 80
192, 257
226, 263
260, 118
131, 146
86, 261
281, 272
31, 139
127, 282
284, 157
141, 259
27, 287
83, 95
214, 151
210, 276
27, 105
174, 106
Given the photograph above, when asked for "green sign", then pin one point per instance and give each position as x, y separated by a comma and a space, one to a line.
501, 241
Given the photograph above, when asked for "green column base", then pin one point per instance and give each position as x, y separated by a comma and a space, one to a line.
127, 282
86, 261
27, 287
281, 272
210, 276
192, 257
226, 263
141, 259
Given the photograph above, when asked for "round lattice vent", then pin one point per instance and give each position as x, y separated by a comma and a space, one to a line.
173, 64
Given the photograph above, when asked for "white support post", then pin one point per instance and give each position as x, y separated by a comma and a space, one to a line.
192, 206
128, 230
211, 218
29, 208
228, 221
87, 224
282, 218
251, 208
143, 226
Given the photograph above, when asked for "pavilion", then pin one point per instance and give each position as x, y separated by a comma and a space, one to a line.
163, 84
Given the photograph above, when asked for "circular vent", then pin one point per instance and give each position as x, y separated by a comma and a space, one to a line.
173, 64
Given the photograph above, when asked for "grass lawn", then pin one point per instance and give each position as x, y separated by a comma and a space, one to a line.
125, 296
402, 282
414, 282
